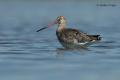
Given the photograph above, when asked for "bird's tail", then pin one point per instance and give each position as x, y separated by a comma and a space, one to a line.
95, 37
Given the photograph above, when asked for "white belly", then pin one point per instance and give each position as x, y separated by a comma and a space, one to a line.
74, 45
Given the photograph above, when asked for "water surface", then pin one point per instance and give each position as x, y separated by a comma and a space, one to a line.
27, 55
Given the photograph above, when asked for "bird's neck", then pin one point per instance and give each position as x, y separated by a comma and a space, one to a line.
61, 27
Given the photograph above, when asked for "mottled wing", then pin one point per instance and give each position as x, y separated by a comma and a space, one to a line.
74, 36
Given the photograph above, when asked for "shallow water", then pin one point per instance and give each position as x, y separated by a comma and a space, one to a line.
27, 55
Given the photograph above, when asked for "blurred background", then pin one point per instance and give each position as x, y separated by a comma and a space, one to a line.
27, 55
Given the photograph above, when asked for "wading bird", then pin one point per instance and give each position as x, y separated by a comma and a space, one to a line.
71, 38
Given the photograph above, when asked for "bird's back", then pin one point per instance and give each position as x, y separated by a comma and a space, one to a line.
74, 37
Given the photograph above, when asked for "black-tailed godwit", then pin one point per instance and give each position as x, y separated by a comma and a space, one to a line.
71, 38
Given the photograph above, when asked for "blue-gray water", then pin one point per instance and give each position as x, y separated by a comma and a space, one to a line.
28, 55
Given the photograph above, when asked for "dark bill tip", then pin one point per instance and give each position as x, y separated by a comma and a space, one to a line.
41, 29
49, 25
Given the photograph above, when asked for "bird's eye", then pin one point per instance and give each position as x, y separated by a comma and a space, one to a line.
58, 20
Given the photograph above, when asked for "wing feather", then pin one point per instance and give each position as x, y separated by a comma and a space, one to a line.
73, 36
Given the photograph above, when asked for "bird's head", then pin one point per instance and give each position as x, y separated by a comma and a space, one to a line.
61, 20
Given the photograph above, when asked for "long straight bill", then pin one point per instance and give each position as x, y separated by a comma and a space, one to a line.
49, 25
